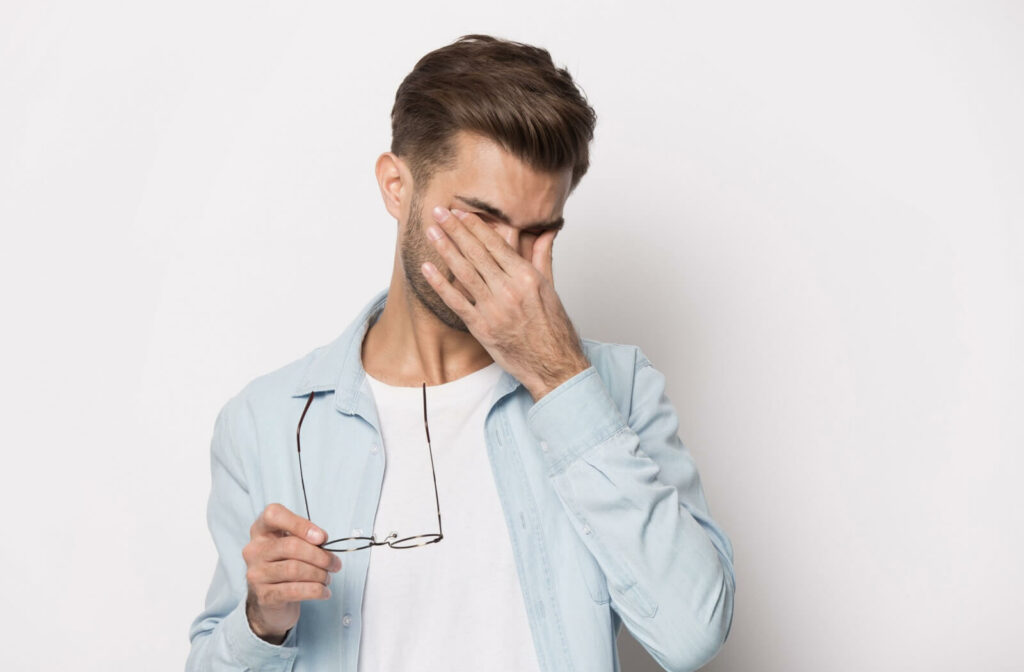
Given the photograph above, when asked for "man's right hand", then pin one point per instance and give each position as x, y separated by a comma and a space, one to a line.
285, 566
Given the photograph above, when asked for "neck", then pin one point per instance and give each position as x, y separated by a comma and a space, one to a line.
408, 344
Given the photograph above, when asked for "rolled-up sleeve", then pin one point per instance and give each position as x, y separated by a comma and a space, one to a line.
633, 493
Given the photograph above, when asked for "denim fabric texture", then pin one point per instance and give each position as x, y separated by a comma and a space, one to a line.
603, 504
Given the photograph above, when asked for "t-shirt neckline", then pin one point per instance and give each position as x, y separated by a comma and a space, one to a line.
487, 374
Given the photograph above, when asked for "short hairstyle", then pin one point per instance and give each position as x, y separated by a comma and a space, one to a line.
509, 92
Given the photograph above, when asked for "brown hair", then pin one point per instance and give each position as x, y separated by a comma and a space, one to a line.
507, 91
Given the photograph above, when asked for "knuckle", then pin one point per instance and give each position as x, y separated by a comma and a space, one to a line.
290, 546
292, 569
270, 514
510, 294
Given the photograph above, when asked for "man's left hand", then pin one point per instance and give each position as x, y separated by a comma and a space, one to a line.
515, 312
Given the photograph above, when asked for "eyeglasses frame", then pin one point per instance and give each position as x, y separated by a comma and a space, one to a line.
391, 539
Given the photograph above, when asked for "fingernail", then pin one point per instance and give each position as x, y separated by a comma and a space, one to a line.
337, 564
434, 233
328, 579
458, 213
315, 535
440, 214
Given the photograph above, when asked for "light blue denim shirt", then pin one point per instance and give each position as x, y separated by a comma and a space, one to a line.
603, 507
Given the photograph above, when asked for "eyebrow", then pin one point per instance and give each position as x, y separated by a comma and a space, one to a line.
496, 212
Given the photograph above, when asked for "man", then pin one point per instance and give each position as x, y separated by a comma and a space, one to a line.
463, 393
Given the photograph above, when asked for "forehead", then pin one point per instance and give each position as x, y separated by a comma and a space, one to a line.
485, 171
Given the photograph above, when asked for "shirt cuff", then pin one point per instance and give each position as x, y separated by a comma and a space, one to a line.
248, 649
572, 418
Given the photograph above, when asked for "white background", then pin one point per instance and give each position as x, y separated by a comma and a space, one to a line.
808, 216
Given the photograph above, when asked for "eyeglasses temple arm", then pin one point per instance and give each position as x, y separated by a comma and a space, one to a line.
433, 473
298, 447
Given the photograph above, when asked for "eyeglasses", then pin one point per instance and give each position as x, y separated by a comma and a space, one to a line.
346, 544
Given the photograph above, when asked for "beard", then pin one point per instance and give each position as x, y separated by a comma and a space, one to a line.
415, 250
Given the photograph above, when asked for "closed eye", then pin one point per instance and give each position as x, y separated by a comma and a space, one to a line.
491, 219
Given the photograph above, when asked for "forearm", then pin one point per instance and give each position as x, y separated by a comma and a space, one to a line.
635, 498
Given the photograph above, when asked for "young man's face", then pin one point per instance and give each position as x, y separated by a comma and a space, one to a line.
485, 177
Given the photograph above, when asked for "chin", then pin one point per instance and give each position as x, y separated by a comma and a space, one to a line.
432, 301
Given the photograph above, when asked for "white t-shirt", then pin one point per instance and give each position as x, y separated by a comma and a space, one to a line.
454, 605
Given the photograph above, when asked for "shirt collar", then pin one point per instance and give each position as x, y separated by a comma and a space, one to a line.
338, 366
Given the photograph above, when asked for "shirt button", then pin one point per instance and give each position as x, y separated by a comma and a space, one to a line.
346, 620
357, 532
373, 448
544, 446
586, 529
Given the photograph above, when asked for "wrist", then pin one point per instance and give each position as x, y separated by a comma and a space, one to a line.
258, 629
546, 384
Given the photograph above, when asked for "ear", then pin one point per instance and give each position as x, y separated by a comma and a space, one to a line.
395, 182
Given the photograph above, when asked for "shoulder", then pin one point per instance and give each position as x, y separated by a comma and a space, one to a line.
284, 381
268, 396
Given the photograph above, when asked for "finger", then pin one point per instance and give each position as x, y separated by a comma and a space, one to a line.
451, 296
276, 519
501, 250
293, 548
459, 265
543, 252
284, 571
466, 229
